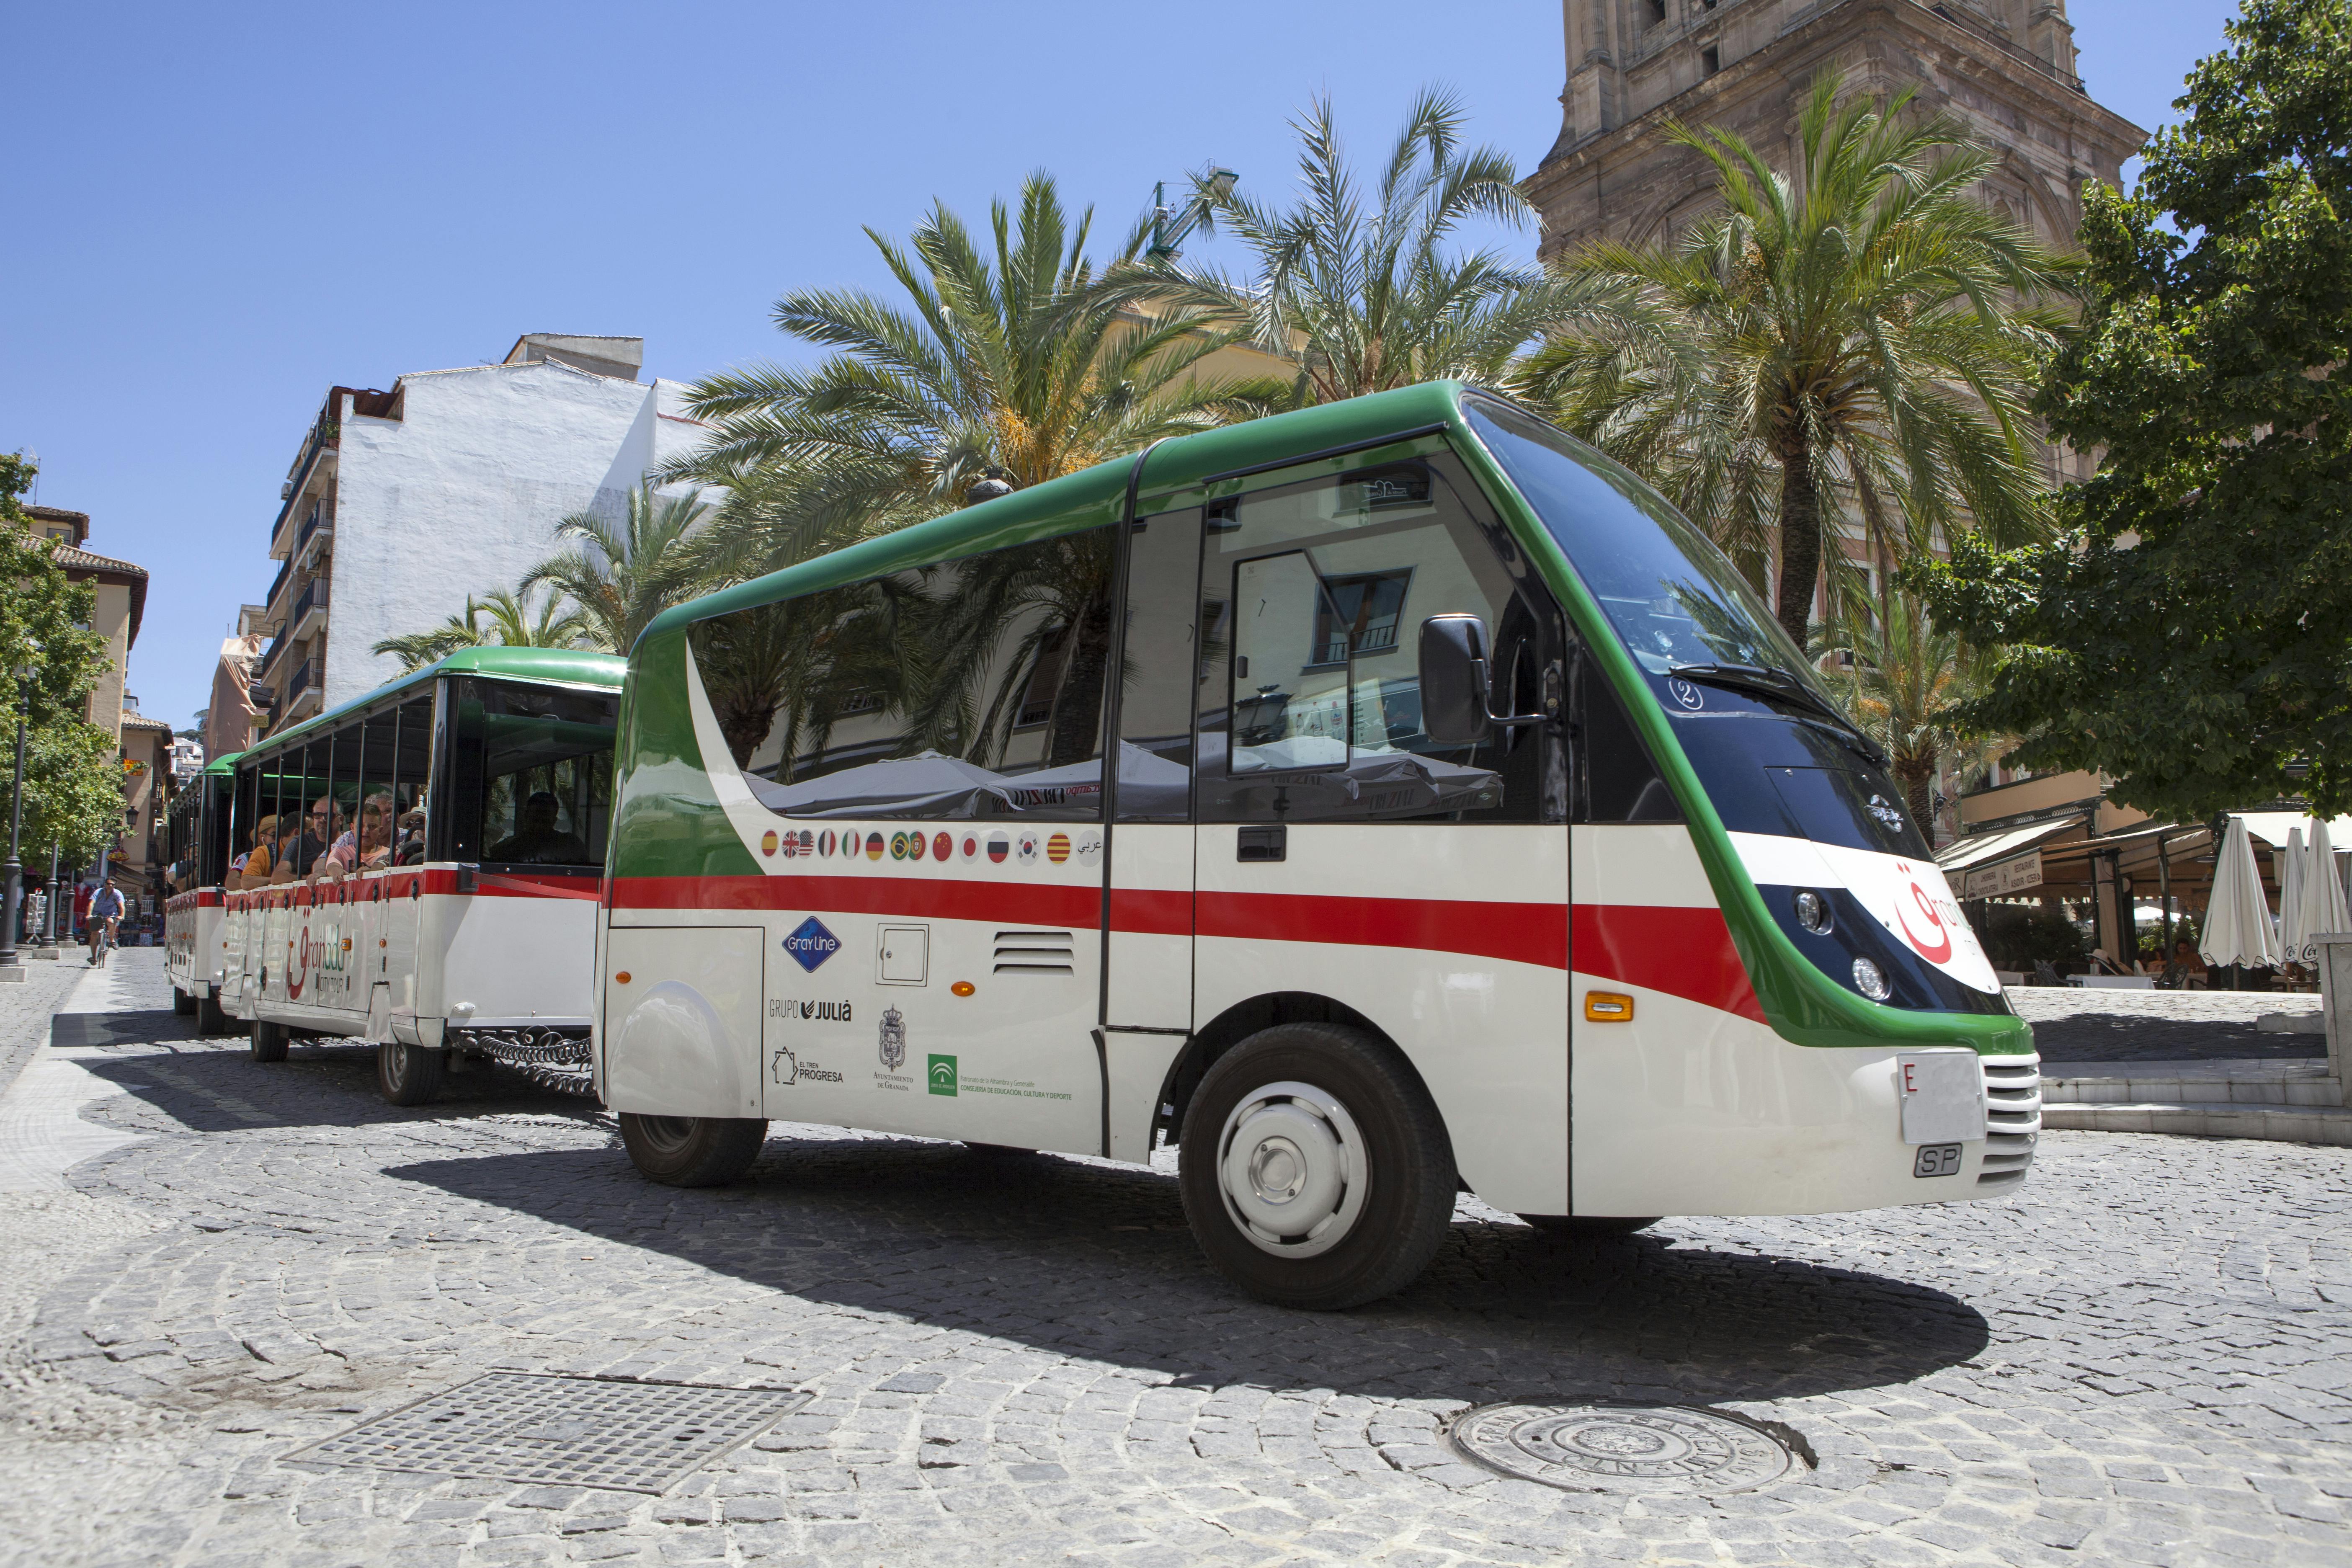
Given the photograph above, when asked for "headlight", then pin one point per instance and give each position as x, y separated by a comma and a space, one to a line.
1813, 912
1871, 981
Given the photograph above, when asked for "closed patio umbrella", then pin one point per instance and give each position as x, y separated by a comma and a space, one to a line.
2238, 926
2322, 898
2291, 861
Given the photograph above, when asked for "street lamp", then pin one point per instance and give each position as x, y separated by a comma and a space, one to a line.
13, 869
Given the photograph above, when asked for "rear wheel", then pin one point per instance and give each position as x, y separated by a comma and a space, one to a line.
211, 1017
407, 1075
182, 1003
692, 1151
1315, 1171
268, 1041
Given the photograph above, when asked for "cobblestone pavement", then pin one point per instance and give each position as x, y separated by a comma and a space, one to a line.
2143, 1358
2095, 1026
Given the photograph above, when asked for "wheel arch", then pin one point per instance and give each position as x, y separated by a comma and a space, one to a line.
1238, 1023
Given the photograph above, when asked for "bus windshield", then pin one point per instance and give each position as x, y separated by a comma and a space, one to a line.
1668, 591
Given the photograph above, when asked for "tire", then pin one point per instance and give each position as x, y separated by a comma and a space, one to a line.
407, 1075
211, 1017
996, 1150
269, 1041
692, 1151
182, 1003
1338, 1123
1589, 1226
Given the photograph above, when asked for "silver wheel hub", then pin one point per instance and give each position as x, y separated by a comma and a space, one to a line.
1291, 1169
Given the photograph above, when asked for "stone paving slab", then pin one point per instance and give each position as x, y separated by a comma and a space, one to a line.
2144, 1357
2095, 1025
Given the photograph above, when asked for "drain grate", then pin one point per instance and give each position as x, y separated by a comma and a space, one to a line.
562, 1431
1650, 1449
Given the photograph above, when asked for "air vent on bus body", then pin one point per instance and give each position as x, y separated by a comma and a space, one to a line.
1035, 952
2012, 1118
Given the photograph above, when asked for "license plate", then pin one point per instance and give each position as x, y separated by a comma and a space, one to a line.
1936, 1160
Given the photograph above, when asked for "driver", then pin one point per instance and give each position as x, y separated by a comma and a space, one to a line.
536, 838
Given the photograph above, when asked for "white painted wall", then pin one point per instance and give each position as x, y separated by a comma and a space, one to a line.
462, 494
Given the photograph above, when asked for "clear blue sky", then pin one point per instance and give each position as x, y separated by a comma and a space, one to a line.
220, 211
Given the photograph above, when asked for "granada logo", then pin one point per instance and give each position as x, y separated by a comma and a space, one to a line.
811, 945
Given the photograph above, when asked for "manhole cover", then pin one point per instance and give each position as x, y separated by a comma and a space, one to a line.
564, 1431
1648, 1448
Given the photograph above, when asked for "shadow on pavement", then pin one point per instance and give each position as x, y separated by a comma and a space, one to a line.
1096, 1261
217, 1086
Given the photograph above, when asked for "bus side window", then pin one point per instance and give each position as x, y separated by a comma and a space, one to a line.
1313, 596
1621, 783
1162, 662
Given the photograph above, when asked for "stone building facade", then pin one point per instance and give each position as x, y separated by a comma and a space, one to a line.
2006, 69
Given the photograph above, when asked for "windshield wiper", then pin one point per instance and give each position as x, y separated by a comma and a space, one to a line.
1787, 688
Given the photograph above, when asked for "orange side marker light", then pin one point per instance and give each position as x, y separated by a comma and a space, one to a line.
963, 988
622, 978
1607, 1007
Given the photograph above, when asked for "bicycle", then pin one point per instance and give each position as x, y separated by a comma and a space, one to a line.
100, 941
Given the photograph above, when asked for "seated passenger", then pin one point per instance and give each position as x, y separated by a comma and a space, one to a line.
537, 841
370, 846
318, 835
251, 869
410, 849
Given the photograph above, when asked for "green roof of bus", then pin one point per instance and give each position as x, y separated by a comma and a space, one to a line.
548, 666
1056, 506
225, 763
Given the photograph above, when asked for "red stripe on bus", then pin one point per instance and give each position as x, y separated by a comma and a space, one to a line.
1682, 949
1516, 933
1684, 952
1008, 903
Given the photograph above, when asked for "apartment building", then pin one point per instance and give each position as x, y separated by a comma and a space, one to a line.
402, 501
121, 591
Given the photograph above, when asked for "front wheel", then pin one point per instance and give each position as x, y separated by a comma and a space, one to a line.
407, 1075
182, 1003
692, 1151
1315, 1171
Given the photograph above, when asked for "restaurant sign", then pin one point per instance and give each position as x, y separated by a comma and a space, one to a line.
2014, 875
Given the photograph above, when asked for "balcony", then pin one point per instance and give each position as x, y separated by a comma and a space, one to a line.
305, 691
319, 524
325, 437
277, 587
311, 600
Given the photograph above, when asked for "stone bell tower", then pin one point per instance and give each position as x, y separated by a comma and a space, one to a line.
2004, 68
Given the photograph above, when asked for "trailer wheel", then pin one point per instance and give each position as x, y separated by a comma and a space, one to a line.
182, 1003
1315, 1171
407, 1075
1589, 1226
268, 1041
692, 1151
212, 1018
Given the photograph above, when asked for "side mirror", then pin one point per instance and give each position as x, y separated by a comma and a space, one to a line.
1453, 679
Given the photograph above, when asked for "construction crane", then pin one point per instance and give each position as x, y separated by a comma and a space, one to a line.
1172, 225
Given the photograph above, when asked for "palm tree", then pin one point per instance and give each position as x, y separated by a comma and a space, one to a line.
1868, 330
621, 573
1367, 295
1019, 361
1904, 679
513, 622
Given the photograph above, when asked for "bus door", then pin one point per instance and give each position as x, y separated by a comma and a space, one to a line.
1346, 861
1148, 995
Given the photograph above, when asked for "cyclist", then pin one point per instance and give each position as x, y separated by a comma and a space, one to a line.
105, 911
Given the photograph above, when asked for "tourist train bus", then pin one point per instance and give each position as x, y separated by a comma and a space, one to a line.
476, 794
1472, 825
196, 833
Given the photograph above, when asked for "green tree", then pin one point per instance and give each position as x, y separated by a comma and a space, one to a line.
1367, 294
512, 621
1868, 329
73, 790
2187, 633
1021, 360
620, 574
